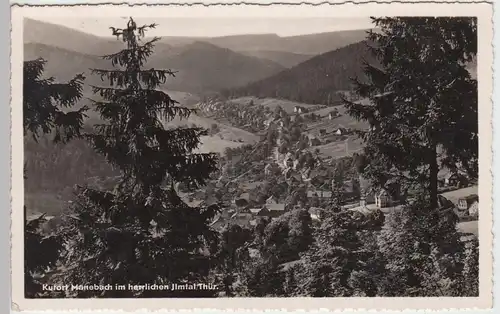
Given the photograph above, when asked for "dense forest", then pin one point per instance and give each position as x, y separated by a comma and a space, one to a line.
315, 81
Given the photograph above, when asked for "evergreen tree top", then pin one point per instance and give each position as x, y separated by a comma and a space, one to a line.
134, 137
421, 98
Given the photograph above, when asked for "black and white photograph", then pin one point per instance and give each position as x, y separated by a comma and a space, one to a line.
258, 157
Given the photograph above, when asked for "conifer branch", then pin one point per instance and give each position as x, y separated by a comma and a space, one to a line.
152, 78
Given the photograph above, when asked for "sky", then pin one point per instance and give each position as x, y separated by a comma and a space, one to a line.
213, 27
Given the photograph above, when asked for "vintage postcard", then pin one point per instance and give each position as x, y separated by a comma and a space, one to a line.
252, 157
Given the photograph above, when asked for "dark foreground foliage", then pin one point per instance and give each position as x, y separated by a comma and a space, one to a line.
46, 111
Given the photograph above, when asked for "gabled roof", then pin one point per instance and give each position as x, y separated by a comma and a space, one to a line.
327, 193
319, 193
470, 198
311, 193
275, 207
383, 94
241, 202
255, 210
444, 203
245, 196
473, 197
271, 199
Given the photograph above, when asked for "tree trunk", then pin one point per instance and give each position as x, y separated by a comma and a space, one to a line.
433, 177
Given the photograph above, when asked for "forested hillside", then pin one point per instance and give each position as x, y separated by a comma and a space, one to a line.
205, 67
286, 59
314, 81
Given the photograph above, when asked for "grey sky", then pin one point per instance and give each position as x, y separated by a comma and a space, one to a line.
212, 27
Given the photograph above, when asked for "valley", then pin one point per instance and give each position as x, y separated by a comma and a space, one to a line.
253, 93
269, 165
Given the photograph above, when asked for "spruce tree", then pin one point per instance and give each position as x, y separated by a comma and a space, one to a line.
422, 107
46, 110
46, 103
141, 232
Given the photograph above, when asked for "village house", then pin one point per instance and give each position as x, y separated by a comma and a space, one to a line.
241, 203
288, 161
312, 195
341, 131
445, 204
272, 200
243, 213
242, 218
267, 170
242, 200
255, 211
366, 204
313, 140
272, 210
333, 114
315, 213
267, 210
382, 199
292, 175
299, 109
469, 204
474, 209
317, 173
320, 194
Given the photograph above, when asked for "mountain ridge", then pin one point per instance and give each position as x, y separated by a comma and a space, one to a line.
201, 67
73, 39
